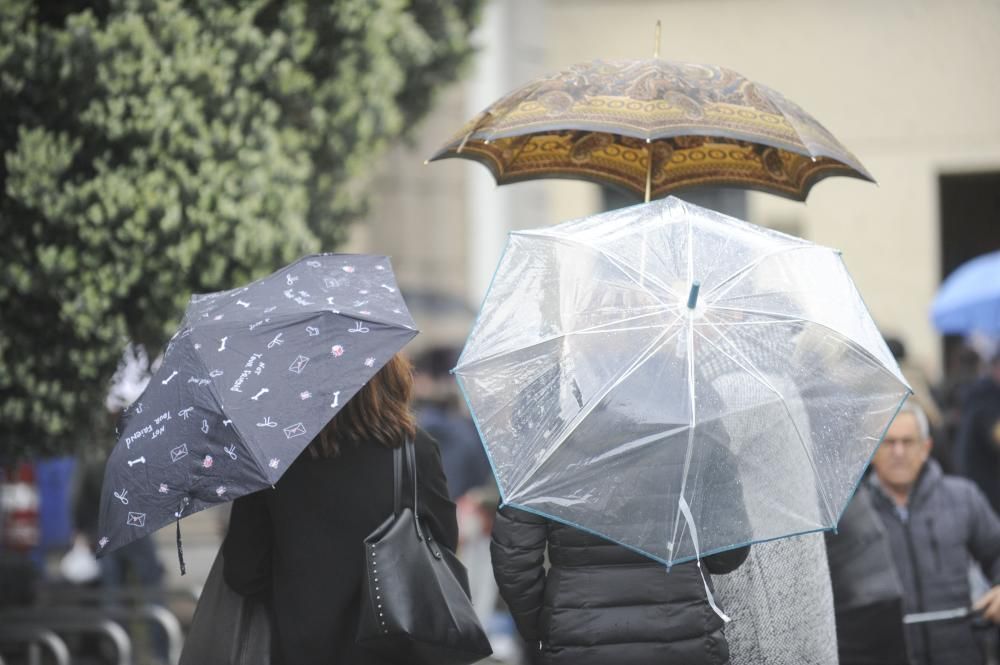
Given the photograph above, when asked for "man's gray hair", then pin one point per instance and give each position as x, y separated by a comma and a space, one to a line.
910, 406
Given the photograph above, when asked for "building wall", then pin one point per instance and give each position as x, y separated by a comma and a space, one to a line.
445, 223
907, 85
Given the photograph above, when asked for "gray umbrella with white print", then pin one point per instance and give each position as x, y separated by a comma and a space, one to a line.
250, 378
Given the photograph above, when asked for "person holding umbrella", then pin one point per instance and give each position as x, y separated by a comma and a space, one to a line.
599, 602
289, 396
299, 546
654, 127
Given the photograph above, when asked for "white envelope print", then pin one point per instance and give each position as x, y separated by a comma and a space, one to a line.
178, 452
298, 364
136, 519
292, 431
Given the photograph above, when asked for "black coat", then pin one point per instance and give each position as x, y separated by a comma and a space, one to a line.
977, 450
300, 544
601, 603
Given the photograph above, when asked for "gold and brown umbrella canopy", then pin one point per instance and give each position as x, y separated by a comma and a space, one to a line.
654, 127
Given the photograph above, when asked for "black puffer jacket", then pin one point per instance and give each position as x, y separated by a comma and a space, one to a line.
601, 603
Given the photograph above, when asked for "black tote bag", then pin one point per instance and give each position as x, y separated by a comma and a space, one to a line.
227, 628
416, 608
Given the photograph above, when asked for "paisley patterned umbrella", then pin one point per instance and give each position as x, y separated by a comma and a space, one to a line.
250, 378
653, 126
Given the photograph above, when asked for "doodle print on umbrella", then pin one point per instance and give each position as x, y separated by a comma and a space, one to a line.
251, 369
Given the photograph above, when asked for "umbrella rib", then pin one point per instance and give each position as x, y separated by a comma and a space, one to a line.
261, 467
734, 324
643, 275
629, 446
737, 276
511, 102
689, 450
568, 428
614, 259
763, 312
298, 316
765, 92
691, 391
497, 111
759, 294
813, 147
748, 365
363, 317
847, 341
582, 331
513, 398
717, 251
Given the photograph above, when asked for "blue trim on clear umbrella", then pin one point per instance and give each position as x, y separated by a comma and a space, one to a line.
658, 559
861, 476
482, 439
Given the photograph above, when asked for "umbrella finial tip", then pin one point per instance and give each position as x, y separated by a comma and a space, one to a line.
693, 295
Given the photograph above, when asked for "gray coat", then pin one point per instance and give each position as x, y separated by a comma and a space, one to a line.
949, 523
867, 595
781, 605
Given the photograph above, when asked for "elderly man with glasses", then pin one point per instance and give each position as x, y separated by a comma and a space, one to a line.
937, 525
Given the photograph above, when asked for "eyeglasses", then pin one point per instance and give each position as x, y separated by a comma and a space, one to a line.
908, 442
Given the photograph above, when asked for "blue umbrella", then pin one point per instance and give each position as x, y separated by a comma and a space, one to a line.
969, 299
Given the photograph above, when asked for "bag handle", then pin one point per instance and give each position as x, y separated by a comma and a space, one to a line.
411, 454
405, 455
397, 482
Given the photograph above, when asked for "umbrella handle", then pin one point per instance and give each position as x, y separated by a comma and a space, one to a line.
649, 161
649, 146
180, 546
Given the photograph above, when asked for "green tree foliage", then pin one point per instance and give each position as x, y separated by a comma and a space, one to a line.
154, 148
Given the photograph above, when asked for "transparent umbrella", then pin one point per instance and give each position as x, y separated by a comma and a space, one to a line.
678, 381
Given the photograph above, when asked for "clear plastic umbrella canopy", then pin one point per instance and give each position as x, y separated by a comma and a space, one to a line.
677, 380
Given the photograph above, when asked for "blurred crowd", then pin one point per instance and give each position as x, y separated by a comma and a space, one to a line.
888, 562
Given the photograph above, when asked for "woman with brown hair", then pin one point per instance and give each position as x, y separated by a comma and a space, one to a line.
299, 546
